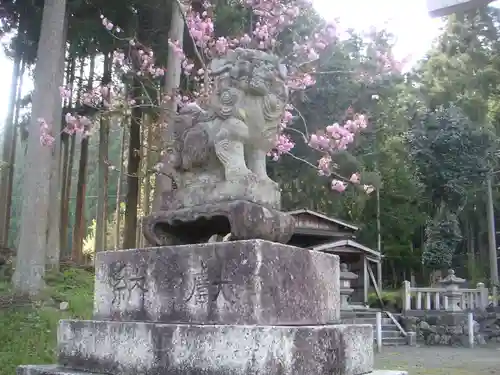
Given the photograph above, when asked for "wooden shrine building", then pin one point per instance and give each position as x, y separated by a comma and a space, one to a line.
319, 232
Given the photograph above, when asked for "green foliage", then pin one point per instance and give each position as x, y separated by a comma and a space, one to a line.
353, 79
88, 248
452, 155
443, 235
29, 330
391, 300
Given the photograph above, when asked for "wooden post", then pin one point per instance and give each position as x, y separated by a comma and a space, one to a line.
379, 275
366, 279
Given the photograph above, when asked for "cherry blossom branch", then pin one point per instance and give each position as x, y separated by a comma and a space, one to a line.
303, 121
334, 174
304, 137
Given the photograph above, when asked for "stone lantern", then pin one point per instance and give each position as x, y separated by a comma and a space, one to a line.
452, 284
345, 286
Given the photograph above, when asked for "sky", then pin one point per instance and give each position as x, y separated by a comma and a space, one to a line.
406, 19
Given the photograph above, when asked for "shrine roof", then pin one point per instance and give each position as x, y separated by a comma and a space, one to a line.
345, 246
324, 218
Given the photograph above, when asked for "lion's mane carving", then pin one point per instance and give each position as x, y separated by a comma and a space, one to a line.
241, 122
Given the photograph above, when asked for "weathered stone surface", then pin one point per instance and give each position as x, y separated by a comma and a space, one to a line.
153, 348
248, 188
240, 282
57, 370
219, 153
244, 220
49, 370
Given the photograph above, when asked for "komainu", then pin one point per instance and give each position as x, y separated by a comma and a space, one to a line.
229, 141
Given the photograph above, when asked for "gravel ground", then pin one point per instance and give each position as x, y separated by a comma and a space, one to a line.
440, 360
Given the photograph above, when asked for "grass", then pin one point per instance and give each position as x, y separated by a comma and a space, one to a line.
28, 329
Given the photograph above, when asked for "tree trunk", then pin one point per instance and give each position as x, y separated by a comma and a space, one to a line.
172, 80
492, 244
12, 158
30, 261
471, 257
119, 189
140, 184
66, 188
132, 198
147, 168
103, 171
79, 228
8, 137
53, 222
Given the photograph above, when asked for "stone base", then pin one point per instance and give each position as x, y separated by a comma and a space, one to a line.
240, 282
249, 188
149, 348
243, 219
58, 370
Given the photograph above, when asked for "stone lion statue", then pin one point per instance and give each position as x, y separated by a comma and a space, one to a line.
218, 154
230, 140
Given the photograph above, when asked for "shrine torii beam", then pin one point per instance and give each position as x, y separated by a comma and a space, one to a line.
440, 8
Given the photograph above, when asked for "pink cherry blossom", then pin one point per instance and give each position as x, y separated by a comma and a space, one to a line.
368, 189
324, 165
65, 93
283, 145
338, 186
355, 178
46, 138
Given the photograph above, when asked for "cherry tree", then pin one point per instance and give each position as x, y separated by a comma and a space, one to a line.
271, 19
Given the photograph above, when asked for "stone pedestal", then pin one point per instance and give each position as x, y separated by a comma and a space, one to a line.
244, 220
240, 282
242, 308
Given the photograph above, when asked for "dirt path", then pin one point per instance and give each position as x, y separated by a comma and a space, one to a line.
440, 360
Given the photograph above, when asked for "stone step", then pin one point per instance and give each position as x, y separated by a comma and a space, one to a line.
391, 334
373, 320
389, 327
238, 282
386, 327
394, 341
359, 314
57, 370
136, 347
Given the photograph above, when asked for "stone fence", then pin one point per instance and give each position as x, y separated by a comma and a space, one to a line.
448, 297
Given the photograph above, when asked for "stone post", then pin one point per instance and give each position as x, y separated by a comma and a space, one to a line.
483, 296
345, 286
454, 294
406, 295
